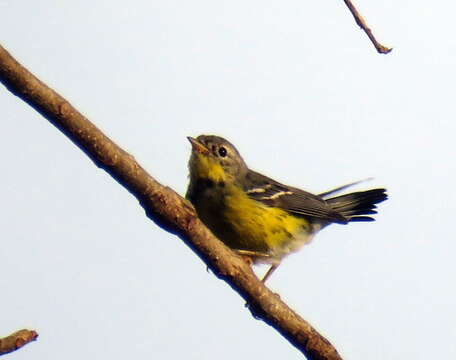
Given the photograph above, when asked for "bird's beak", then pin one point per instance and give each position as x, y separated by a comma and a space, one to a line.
197, 146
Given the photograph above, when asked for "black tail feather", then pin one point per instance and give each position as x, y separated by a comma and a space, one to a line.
355, 206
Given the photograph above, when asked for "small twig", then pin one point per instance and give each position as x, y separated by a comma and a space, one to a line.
17, 340
363, 25
167, 208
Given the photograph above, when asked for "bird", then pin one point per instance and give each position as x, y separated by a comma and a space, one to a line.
259, 218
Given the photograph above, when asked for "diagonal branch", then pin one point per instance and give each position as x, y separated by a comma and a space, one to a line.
363, 25
166, 208
16, 340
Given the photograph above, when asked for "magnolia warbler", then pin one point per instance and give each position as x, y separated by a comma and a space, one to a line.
258, 217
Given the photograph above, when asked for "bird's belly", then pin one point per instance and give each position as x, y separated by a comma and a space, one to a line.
245, 224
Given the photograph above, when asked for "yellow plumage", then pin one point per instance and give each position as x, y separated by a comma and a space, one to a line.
261, 228
239, 221
257, 216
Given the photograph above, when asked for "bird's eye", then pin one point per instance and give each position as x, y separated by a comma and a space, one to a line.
222, 151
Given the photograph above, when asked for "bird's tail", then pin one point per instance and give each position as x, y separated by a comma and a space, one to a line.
357, 205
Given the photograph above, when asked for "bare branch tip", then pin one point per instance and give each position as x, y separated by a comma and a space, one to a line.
384, 50
17, 340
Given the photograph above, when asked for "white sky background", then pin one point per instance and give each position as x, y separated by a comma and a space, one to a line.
299, 89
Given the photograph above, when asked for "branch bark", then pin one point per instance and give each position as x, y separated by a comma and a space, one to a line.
17, 340
166, 208
363, 25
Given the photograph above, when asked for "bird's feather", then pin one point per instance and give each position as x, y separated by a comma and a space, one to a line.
275, 194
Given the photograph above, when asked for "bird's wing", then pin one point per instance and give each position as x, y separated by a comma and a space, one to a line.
275, 194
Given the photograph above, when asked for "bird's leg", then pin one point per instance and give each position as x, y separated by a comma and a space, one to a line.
269, 272
253, 254
250, 257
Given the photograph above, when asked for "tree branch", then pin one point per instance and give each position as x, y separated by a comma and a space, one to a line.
17, 340
363, 25
166, 208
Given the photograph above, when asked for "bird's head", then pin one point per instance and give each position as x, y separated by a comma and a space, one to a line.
215, 159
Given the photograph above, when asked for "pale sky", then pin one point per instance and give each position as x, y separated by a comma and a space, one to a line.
301, 92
